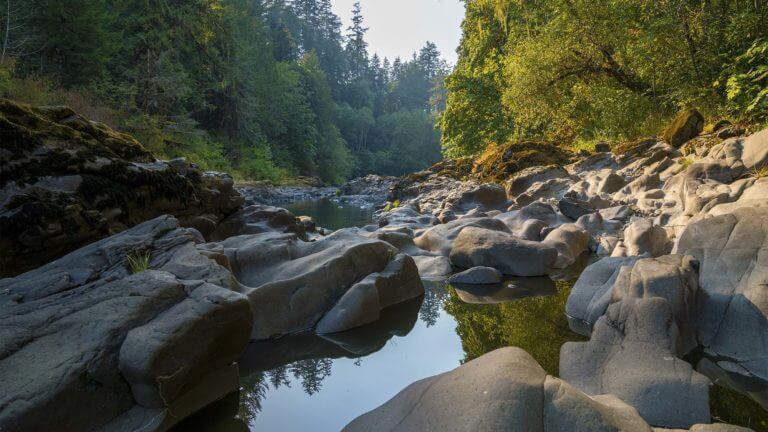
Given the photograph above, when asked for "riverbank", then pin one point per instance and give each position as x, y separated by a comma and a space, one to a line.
193, 277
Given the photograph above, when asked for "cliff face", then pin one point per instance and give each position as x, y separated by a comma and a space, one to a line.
67, 181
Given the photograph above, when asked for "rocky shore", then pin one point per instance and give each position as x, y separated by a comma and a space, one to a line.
148, 279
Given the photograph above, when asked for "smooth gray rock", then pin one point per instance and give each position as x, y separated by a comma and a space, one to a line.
733, 315
573, 209
504, 390
544, 212
292, 284
482, 247
570, 241
477, 276
643, 237
64, 328
256, 219
630, 355
440, 238
364, 301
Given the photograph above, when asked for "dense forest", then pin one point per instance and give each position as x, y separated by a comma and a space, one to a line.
578, 71
267, 89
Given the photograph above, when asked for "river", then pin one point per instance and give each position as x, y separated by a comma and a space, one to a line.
307, 382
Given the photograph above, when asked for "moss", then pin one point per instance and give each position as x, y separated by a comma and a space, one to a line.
686, 125
499, 162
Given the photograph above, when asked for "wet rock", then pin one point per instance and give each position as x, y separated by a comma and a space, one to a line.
112, 319
482, 247
509, 290
476, 276
602, 147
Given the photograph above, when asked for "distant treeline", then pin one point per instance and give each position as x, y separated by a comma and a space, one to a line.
583, 70
264, 88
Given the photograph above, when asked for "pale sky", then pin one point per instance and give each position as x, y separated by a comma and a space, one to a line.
400, 27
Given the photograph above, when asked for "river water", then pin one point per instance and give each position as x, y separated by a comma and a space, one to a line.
311, 383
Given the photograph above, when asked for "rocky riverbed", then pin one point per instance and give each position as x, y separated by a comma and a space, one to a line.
137, 306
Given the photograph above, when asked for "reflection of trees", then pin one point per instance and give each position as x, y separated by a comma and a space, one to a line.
253, 392
435, 294
535, 324
311, 372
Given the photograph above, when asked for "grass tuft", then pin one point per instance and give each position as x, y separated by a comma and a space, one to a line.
139, 262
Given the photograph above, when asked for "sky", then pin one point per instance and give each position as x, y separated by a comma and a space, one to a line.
400, 27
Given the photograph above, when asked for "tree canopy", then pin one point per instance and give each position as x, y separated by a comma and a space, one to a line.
266, 88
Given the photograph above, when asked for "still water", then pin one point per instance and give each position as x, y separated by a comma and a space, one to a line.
312, 383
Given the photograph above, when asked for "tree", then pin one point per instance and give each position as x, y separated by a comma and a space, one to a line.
357, 47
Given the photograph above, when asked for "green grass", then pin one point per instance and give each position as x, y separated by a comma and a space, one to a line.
761, 172
138, 261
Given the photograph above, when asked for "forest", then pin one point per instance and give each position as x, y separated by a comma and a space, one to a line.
275, 89
575, 72
265, 89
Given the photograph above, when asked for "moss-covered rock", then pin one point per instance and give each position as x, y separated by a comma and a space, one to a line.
686, 126
67, 181
499, 162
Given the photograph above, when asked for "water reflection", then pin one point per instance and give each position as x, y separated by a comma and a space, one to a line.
332, 215
312, 382
536, 324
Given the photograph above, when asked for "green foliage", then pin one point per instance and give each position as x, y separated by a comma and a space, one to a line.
139, 261
484, 327
747, 83
576, 70
263, 89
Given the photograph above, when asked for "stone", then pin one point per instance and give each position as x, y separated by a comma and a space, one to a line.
643, 237
256, 219
525, 179
573, 208
182, 305
515, 220
502, 390
293, 284
485, 196
629, 356
570, 241
482, 247
441, 238
477, 276
364, 301
68, 182
733, 314
687, 125
592, 292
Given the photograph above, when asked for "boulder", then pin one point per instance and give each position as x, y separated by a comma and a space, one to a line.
687, 125
643, 237
733, 312
441, 238
69, 328
515, 220
629, 356
364, 301
602, 147
573, 209
570, 241
482, 247
256, 219
68, 182
592, 292
525, 179
293, 284
477, 276
504, 390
